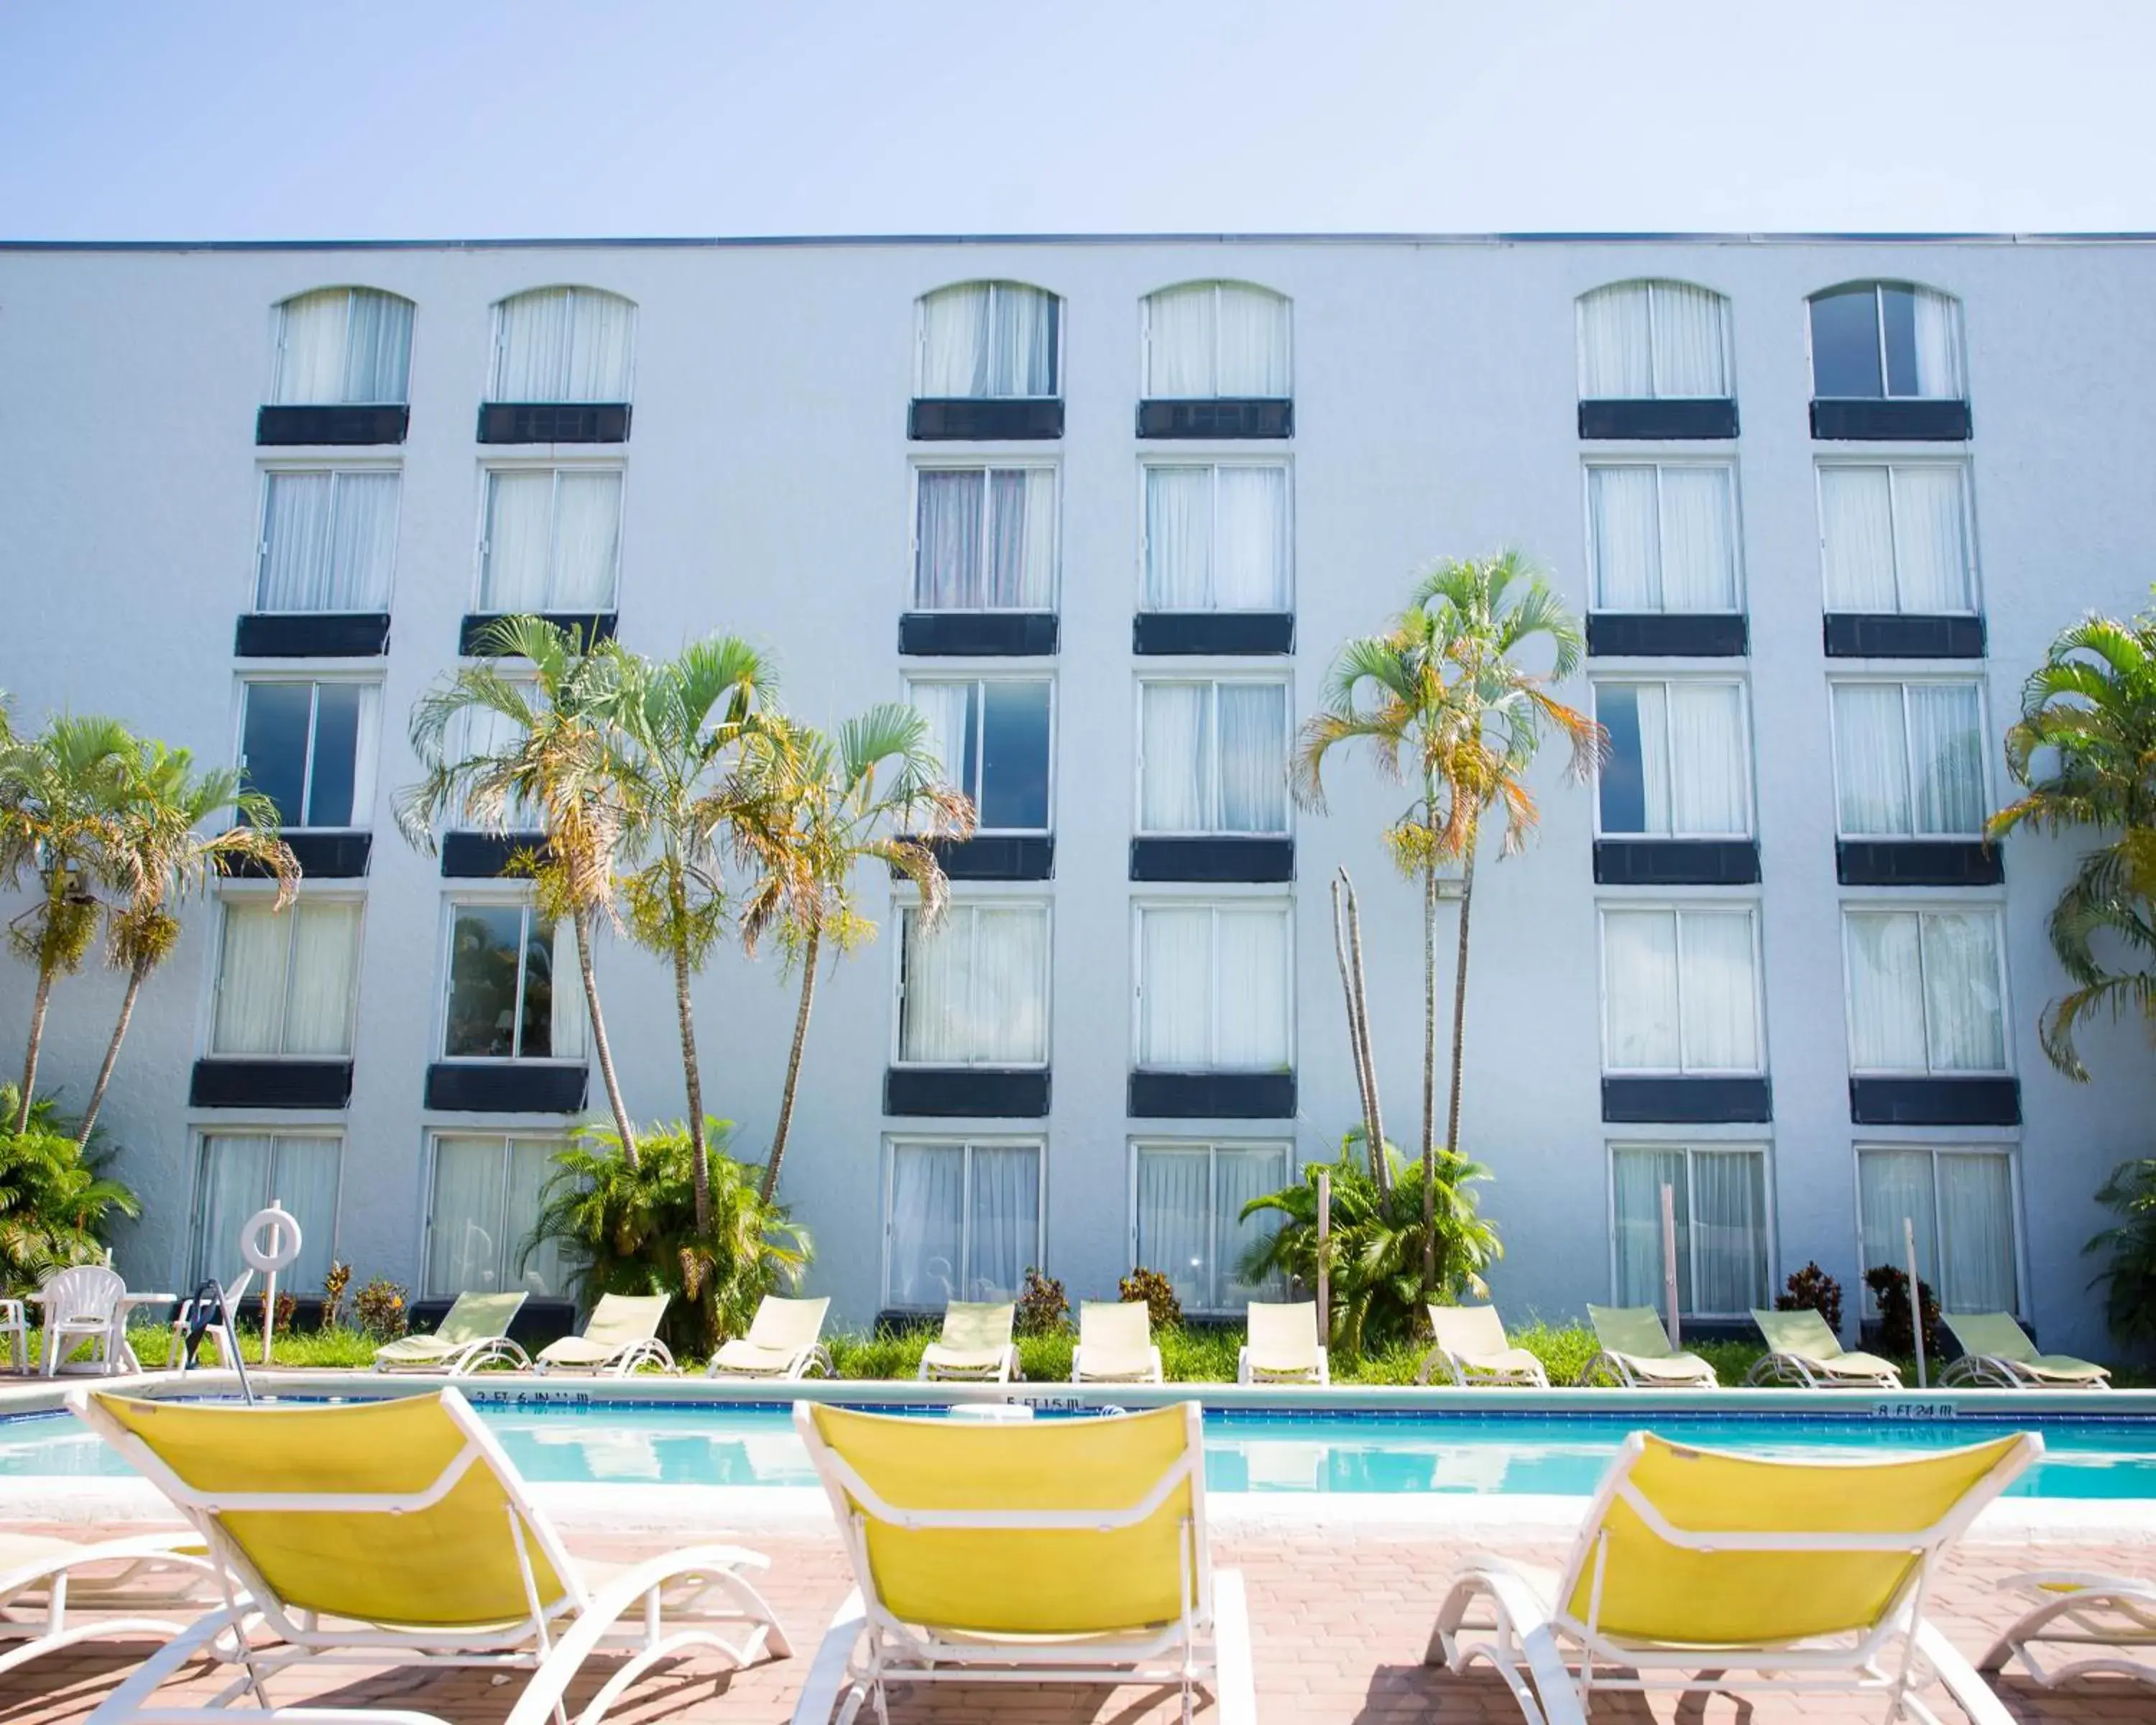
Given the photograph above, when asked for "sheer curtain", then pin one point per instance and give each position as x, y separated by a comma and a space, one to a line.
1728, 1231
1251, 951
520, 526
366, 755
1946, 746
563, 344
1976, 1233
1871, 758
545, 1273
1690, 327
1175, 983
1965, 1027
932, 1019
1182, 337
1021, 562
1625, 525
952, 348
1175, 744
1931, 546
1003, 1228
343, 345
1010, 985
1891, 1185
949, 510
325, 966
1718, 982
252, 964
1709, 797
569, 1017
948, 710
1175, 1222
235, 1183
1616, 343
1179, 538
1253, 342
985, 539
586, 541
927, 1215
328, 542
1886, 992
1249, 551
464, 1245
1856, 530
1238, 1177
1253, 722
304, 1179
988, 339
1938, 344
1637, 1178
1640, 991
1698, 547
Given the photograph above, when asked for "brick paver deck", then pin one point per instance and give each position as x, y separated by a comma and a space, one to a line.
1339, 1622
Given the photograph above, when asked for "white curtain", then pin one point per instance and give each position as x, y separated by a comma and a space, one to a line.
948, 539
531, 1162
586, 541
1252, 992
1253, 736
325, 966
305, 1181
520, 526
1719, 984
1250, 530
1637, 1178
949, 708
1175, 1222
1175, 984
932, 1022
1708, 795
344, 344
977, 988
252, 966
1640, 991
1625, 524
1698, 547
1004, 1228
235, 1183
1616, 343
1176, 755
562, 344
1938, 344
1931, 548
985, 540
1238, 1177
1728, 1231
1871, 758
1976, 1233
328, 542
988, 339
366, 754
568, 1020
1182, 340
464, 1233
927, 1224
1253, 342
1892, 1185
1945, 752
1856, 533
1886, 992
552, 540
1021, 539
952, 347
1179, 538
1690, 340
1965, 1027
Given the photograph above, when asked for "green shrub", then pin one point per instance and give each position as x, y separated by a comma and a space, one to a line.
1158, 1293
1811, 1289
381, 1309
2129, 1279
57, 1204
1890, 1287
1043, 1307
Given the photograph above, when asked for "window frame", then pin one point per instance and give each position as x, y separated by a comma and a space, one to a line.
1727, 464
1728, 332
985, 466
1213, 902
1920, 909
497, 339
362, 796
978, 681
972, 902
1680, 909
1876, 287
992, 283
893, 1142
198, 1181
488, 469
1138, 1147
430, 1173
2009, 1151
1147, 392
1904, 684
263, 892
1212, 684
1761, 1149
1285, 461
1742, 682
1972, 562
446, 941
338, 472
280, 338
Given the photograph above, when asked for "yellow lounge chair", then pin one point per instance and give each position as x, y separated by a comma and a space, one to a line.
620, 1336
976, 1344
1802, 1348
1282, 1345
1067, 1551
2096, 1622
1806, 1576
1637, 1353
397, 1532
1997, 1353
473, 1332
54, 1592
784, 1340
1115, 1343
1470, 1343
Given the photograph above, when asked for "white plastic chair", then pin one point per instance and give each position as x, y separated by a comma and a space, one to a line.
82, 1303
15, 1325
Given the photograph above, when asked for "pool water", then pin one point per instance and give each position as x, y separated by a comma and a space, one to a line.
1476, 1453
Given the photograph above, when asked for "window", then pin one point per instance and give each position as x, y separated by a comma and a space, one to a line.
1216, 537
562, 344
310, 748
1187, 1222
960, 1222
984, 539
485, 1200
1212, 757
1680, 762
1926, 992
1908, 760
553, 539
240, 1173
973, 989
1216, 338
992, 339
286, 979
992, 737
515, 993
343, 346
1719, 1201
1213, 983
1654, 339
1961, 1201
329, 540
1874, 339
1681, 991
1897, 539
1662, 536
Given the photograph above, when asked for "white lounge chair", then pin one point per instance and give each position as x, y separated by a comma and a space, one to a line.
1470, 1343
1997, 1353
1115, 1343
1803, 1348
1282, 1345
473, 1332
784, 1340
83, 1303
1637, 1353
54, 1592
620, 1336
976, 1344
2093, 1624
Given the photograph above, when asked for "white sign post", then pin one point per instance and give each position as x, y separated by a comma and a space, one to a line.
1916, 1298
1669, 1261
269, 1243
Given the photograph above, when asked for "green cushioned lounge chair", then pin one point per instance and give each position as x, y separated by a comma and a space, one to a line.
474, 1332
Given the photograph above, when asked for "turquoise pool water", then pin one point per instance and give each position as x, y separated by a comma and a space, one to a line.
1474, 1453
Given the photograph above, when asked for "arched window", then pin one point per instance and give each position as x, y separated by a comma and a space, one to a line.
990, 339
1216, 339
343, 346
562, 344
1654, 341
1873, 341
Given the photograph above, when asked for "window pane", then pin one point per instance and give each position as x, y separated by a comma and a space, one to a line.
935, 1024
1175, 743
545, 1273
586, 541
1892, 1185
1238, 1177
1181, 338
1639, 989
1616, 350
1729, 1230
948, 534
378, 353
926, 1225
312, 346
536, 1036
1689, 345
1021, 547
992, 339
1966, 1026
1937, 333
1886, 993
484, 940
951, 710
1249, 553
464, 1244
252, 966
1710, 794
1976, 1234
1253, 720
564, 344
1252, 1034
1624, 527
1014, 757
296, 573
273, 746
1003, 1240
305, 1181
1179, 538
1621, 786
1946, 743
1254, 343
1897, 309
325, 968
1010, 986
1931, 545
1856, 532
1175, 985
235, 1183
1638, 1177
520, 527
1175, 1222
363, 544
1699, 550
1845, 344
1721, 993
1871, 758
336, 749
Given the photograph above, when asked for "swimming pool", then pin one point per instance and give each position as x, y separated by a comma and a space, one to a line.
1468, 1453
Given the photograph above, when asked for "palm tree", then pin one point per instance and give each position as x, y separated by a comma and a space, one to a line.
158, 854
684, 717
59, 794
560, 755
1440, 695
57, 1202
2083, 748
806, 812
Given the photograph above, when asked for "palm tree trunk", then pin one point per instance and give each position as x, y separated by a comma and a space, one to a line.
137, 973
1370, 1140
1459, 1021
1429, 1076
699, 1154
793, 1063
38, 1004
582, 924
1383, 1168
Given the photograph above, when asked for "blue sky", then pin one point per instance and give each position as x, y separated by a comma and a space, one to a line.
481, 118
